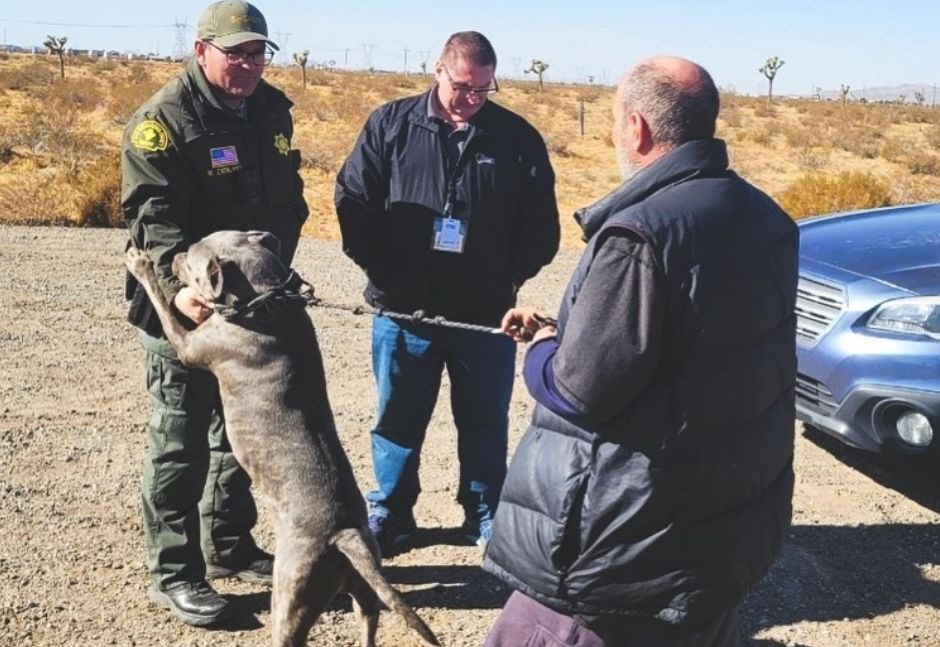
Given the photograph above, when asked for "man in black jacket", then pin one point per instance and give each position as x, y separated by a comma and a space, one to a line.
209, 151
447, 202
653, 488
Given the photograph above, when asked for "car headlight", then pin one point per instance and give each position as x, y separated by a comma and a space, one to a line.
914, 315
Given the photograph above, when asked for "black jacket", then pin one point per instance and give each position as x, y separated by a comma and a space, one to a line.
191, 167
394, 185
675, 505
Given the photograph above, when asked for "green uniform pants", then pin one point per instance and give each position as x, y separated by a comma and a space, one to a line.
197, 503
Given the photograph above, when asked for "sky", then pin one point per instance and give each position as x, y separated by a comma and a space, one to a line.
824, 44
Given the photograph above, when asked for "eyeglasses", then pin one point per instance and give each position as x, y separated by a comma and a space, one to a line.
466, 89
240, 57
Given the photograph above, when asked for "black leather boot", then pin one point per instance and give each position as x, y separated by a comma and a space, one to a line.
195, 603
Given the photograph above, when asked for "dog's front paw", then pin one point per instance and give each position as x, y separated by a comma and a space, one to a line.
137, 262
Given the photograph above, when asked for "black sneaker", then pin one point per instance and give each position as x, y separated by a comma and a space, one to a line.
195, 603
392, 533
259, 570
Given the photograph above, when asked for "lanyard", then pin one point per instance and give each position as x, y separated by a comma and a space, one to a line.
453, 170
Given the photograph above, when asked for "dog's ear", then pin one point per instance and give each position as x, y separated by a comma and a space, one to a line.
267, 240
214, 277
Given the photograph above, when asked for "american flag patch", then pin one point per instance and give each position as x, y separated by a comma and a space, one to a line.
223, 156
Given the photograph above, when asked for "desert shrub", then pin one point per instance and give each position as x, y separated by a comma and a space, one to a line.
99, 185
322, 154
765, 110
864, 142
57, 135
123, 100
811, 159
11, 138
557, 147
25, 77
814, 193
731, 117
922, 163
762, 136
105, 65
589, 94
138, 72
71, 94
798, 135
897, 150
34, 200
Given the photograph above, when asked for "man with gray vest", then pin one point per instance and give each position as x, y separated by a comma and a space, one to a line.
653, 488
209, 151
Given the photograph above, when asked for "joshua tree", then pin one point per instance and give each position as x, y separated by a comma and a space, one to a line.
301, 59
56, 45
769, 70
844, 92
538, 68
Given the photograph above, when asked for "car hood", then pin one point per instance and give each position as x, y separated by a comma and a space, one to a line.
899, 246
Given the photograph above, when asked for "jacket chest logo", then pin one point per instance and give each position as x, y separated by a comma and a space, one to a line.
223, 156
281, 144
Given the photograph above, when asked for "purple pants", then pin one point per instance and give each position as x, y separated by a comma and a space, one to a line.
527, 623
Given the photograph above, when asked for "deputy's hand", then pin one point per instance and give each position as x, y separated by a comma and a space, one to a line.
522, 323
191, 305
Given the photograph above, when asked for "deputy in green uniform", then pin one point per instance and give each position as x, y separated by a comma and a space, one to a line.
209, 151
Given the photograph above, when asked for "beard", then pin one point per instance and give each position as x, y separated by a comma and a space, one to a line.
628, 168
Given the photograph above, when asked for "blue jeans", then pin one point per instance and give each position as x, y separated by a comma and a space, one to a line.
408, 361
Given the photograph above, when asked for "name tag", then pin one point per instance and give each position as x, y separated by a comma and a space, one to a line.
449, 235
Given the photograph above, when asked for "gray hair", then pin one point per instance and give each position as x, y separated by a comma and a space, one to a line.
471, 46
676, 113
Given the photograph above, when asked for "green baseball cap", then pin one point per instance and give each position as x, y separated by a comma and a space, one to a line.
229, 23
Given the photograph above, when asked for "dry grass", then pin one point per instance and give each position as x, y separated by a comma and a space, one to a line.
58, 140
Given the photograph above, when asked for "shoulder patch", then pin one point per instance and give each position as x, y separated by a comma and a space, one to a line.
150, 135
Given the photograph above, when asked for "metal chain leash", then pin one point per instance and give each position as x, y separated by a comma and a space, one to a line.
294, 289
418, 316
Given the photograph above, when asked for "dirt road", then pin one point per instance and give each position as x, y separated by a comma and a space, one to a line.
861, 567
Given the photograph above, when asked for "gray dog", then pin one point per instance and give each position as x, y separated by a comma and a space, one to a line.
270, 372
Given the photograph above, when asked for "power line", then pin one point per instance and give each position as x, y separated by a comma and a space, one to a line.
75, 24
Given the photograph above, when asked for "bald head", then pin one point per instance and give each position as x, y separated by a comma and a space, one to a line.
676, 98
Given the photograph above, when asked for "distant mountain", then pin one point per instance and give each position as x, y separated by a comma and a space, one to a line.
884, 93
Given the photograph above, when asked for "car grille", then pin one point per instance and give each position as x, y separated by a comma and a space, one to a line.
815, 395
818, 305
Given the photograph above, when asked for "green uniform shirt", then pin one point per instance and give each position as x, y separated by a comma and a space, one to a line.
191, 167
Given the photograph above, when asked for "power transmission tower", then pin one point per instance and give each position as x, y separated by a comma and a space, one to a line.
516, 65
180, 48
367, 55
405, 68
282, 37
346, 59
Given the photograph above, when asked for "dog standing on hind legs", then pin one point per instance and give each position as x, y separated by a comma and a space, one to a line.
277, 413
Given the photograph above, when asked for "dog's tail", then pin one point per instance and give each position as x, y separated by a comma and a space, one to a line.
353, 545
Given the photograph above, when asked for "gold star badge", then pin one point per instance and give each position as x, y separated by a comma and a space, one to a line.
281, 144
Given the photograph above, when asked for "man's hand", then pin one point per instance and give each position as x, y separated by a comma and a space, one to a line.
188, 302
527, 324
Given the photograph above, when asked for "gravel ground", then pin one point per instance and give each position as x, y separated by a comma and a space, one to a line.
861, 567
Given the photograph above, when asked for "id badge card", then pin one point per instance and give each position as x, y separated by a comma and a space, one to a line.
449, 235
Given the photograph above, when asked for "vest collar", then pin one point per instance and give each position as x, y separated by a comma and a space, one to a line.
692, 159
